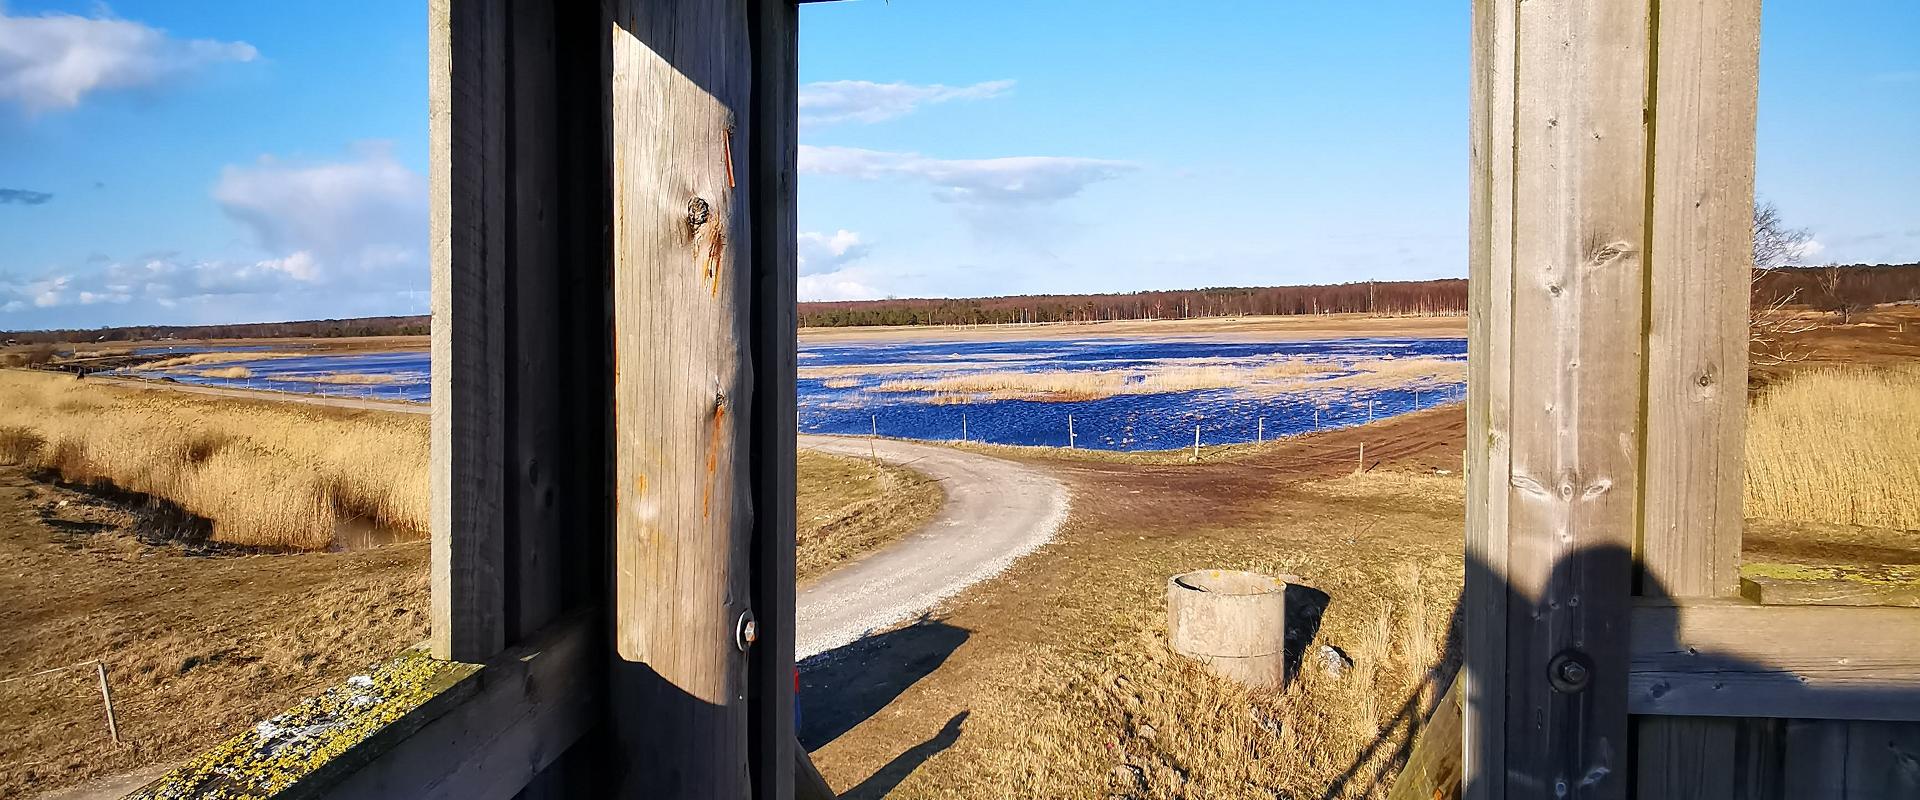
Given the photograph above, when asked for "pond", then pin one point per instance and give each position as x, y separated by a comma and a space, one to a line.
1114, 393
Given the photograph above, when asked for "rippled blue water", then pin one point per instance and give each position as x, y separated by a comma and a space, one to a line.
1123, 422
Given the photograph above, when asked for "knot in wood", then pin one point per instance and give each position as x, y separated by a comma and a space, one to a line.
698, 212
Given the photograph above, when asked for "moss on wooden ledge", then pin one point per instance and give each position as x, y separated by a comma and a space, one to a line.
1876, 575
280, 752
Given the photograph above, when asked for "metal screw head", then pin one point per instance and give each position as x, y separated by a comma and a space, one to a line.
746, 631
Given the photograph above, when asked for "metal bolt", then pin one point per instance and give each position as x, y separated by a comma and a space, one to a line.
746, 631
1570, 672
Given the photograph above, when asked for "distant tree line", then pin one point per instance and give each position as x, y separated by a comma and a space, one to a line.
1839, 288
318, 328
1445, 296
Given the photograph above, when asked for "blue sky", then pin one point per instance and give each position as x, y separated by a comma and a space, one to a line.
166, 162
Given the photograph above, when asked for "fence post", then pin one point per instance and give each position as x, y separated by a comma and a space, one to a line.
1260, 430
106, 698
1196, 442
963, 426
1069, 431
1363, 458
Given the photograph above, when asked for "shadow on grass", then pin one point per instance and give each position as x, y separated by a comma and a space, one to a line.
845, 686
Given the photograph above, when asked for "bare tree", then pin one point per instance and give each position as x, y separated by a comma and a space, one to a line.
1771, 327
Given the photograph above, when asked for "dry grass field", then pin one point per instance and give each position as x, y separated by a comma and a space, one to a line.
263, 474
1837, 445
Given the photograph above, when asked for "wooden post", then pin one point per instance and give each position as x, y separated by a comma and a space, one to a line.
1196, 442
873, 433
1069, 431
106, 699
1699, 249
683, 317
775, 757
963, 426
1369, 411
1316, 418
1260, 430
1363, 458
1559, 204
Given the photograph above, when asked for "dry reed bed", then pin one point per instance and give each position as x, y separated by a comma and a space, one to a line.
264, 474
1838, 445
1271, 377
198, 359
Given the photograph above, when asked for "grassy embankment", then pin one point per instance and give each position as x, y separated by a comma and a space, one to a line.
287, 476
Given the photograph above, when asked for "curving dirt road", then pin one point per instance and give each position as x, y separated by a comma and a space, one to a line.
996, 512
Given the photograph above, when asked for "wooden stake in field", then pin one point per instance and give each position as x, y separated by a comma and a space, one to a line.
1069, 431
873, 434
1260, 430
106, 697
1316, 419
1369, 411
1196, 442
963, 426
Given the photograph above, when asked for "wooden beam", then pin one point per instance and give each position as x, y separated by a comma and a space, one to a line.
527, 706
466, 43
772, 149
1433, 768
1773, 591
1734, 659
1550, 565
683, 394
1702, 96
1489, 386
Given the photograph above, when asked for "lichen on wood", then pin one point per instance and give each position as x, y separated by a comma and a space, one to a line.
278, 753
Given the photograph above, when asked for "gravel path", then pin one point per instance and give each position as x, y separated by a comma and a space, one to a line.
996, 511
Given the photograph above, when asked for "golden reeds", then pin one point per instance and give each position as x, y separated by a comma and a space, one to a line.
1837, 445
264, 474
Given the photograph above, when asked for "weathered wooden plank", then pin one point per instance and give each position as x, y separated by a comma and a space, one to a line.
1852, 760
531, 704
467, 186
1733, 659
536, 347
772, 148
1680, 758
1489, 384
1700, 249
1577, 146
1433, 768
1774, 591
683, 394
1699, 246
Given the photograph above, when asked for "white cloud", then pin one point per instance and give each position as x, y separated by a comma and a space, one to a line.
987, 181
55, 60
368, 212
821, 252
336, 238
1809, 250
852, 283
828, 102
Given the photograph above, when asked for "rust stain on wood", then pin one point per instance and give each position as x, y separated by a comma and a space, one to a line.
729, 151
713, 458
713, 259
